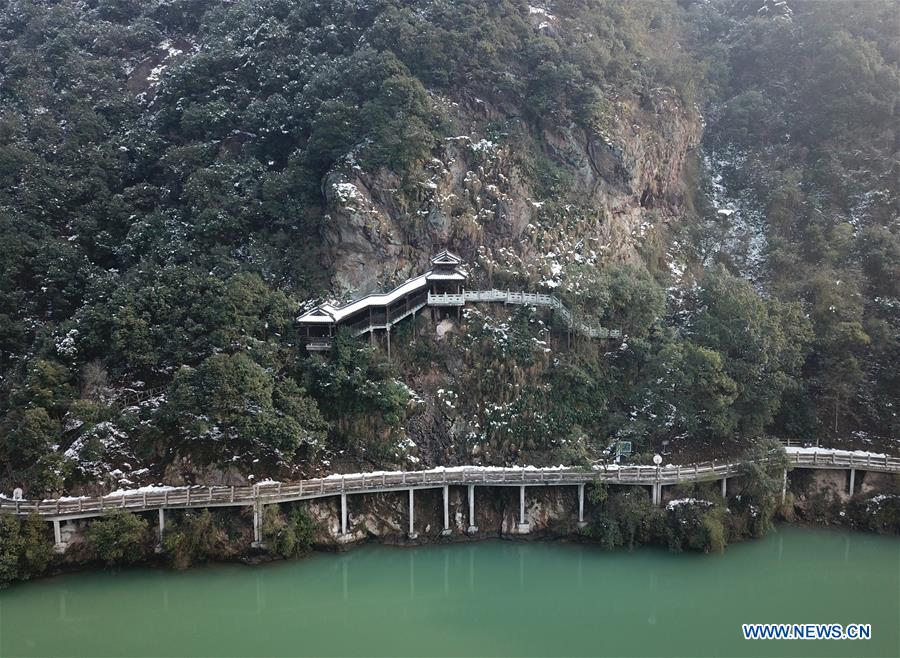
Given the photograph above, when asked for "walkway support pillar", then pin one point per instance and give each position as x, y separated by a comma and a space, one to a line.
581, 521
446, 531
523, 528
724, 487
257, 525
783, 486
59, 546
343, 514
412, 515
852, 479
162, 528
472, 529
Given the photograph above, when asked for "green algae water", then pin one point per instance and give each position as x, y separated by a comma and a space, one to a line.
480, 599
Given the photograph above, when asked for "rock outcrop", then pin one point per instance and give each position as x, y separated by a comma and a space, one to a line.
489, 198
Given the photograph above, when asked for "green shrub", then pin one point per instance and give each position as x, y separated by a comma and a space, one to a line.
25, 548
762, 473
288, 534
119, 538
696, 526
879, 513
198, 537
624, 518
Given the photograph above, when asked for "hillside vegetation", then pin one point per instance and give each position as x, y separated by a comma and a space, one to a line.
178, 177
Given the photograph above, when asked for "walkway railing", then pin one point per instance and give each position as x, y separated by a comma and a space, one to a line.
526, 299
197, 496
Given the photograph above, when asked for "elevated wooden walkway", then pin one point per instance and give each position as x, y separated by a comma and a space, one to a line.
282, 492
524, 299
441, 286
165, 498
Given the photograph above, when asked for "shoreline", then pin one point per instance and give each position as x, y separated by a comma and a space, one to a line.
260, 558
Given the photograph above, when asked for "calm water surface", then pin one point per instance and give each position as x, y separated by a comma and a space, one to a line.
491, 599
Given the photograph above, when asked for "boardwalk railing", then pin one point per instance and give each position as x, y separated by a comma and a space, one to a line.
526, 299
197, 496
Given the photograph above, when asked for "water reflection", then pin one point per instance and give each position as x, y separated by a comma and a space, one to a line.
524, 598
446, 574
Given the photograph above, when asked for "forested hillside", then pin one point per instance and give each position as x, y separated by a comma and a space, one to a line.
178, 178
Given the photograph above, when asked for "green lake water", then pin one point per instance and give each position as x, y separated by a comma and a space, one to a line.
479, 599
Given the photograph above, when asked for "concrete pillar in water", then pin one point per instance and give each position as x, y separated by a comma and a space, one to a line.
472, 529
852, 479
446, 531
257, 526
162, 528
523, 528
343, 514
724, 487
412, 516
59, 545
581, 521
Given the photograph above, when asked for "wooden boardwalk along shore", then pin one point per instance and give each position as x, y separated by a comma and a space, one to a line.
257, 496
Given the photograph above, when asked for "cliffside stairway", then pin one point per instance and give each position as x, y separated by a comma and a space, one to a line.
441, 286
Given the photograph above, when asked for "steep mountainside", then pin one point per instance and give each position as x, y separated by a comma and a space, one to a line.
178, 178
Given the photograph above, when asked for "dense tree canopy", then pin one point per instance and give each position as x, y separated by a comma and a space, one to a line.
162, 213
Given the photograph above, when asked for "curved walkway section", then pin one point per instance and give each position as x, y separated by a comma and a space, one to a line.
155, 498
441, 286
525, 299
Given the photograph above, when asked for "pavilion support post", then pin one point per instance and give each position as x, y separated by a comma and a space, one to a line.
852, 480
59, 546
523, 528
446, 531
412, 515
581, 521
472, 529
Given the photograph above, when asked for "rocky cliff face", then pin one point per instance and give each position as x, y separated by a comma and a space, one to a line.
520, 203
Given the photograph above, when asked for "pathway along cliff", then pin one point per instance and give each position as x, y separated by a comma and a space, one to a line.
159, 499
